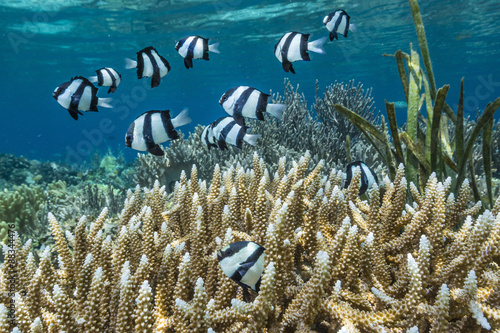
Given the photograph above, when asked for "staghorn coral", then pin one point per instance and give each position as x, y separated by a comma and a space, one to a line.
333, 262
26, 207
320, 134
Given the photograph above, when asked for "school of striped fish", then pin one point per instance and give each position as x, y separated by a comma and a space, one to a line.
79, 94
242, 261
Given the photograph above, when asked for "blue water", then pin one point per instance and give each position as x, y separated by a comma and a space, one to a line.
46, 43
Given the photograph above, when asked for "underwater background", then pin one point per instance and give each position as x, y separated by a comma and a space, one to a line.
45, 43
95, 237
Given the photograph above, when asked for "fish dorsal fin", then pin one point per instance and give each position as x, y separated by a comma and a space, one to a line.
154, 111
146, 50
84, 80
78, 77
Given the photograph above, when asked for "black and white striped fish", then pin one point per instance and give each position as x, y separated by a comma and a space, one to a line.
152, 128
244, 101
149, 64
338, 23
79, 94
208, 137
294, 46
243, 262
195, 47
368, 177
107, 77
226, 130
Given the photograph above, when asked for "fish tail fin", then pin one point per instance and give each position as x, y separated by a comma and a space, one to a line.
353, 28
214, 48
104, 102
317, 45
129, 63
93, 79
251, 139
181, 119
276, 110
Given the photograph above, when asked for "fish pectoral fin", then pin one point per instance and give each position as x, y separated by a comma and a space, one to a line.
74, 114
156, 150
156, 79
188, 62
239, 119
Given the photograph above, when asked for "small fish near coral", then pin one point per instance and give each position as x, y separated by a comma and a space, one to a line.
368, 177
79, 94
154, 127
294, 46
244, 101
243, 262
226, 130
149, 64
107, 77
338, 23
195, 47
400, 105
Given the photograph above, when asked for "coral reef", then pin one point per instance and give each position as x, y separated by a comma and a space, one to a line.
110, 169
351, 96
21, 206
26, 207
16, 170
66, 192
318, 134
333, 262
